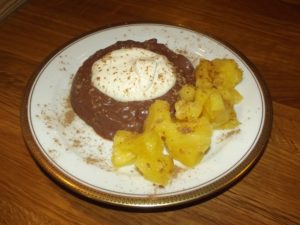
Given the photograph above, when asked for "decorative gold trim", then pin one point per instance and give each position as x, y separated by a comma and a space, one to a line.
160, 200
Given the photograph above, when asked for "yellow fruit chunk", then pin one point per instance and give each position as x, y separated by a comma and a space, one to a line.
158, 170
216, 110
203, 75
228, 75
145, 151
215, 89
124, 144
217, 73
215, 102
231, 123
188, 141
150, 144
186, 110
187, 92
158, 117
230, 95
151, 162
202, 95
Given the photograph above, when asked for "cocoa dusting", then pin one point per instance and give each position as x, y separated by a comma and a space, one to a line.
76, 144
177, 171
69, 117
91, 160
228, 135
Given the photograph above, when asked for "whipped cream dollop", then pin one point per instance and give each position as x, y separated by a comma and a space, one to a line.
133, 74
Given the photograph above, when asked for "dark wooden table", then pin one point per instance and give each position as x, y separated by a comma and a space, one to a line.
267, 32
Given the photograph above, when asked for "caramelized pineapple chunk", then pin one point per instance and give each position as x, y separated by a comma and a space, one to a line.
216, 110
187, 142
145, 151
215, 102
186, 108
156, 168
124, 144
220, 96
187, 92
231, 123
151, 162
227, 73
151, 144
202, 95
158, 117
203, 73
218, 73
231, 95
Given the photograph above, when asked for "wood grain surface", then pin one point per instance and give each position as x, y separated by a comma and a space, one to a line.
8, 6
267, 32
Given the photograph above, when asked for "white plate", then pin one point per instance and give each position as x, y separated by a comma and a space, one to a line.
76, 156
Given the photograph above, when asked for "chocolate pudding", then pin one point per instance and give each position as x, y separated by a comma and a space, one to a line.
106, 114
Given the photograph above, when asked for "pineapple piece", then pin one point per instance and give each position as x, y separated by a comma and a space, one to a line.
232, 121
219, 97
187, 108
218, 73
215, 102
187, 142
158, 117
220, 113
124, 143
157, 169
203, 74
151, 162
230, 95
202, 95
151, 144
227, 74
187, 92
145, 151
216, 110
230, 124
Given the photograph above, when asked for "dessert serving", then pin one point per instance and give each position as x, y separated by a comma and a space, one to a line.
154, 106
146, 115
